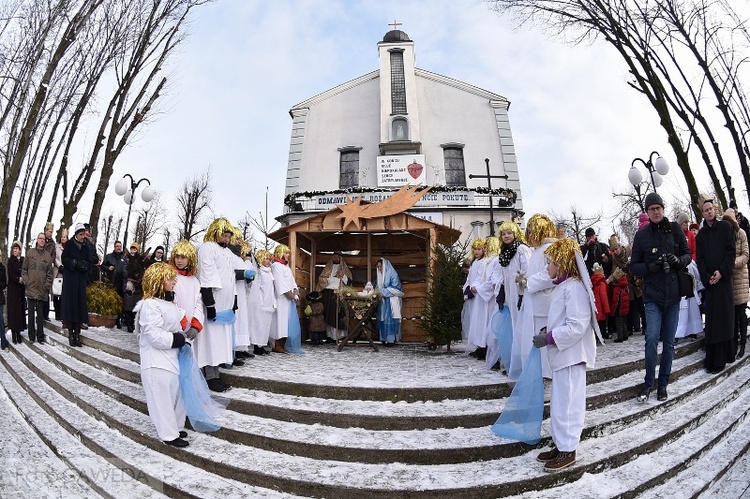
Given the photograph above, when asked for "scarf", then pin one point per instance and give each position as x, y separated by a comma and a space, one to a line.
280, 260
560, 279
508, 252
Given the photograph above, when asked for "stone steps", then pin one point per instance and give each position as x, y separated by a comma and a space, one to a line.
291, 448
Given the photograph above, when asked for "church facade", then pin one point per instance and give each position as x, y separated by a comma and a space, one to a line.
402, 125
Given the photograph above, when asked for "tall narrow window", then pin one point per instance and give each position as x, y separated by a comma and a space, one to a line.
398, 84
454, 166
399, 129
349, 169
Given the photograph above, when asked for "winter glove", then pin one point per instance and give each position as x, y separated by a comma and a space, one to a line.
192, 333
249, 275
234, 305
673, 261
520, 300
207, 295
81, 266
468, 295
239, 274
178, 339
500, 299
655, 267
540, 340
61, 269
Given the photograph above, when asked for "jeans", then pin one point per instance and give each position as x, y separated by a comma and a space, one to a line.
661, 323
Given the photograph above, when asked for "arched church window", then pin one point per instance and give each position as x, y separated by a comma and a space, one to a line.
399, 129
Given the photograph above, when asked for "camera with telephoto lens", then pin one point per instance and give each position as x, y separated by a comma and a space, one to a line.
665, 264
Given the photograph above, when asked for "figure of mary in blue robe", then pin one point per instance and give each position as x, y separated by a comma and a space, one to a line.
389, 313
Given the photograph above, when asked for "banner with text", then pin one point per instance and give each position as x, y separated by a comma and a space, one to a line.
455, 198
395, 171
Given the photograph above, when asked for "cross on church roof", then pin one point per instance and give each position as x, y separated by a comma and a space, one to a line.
395, 24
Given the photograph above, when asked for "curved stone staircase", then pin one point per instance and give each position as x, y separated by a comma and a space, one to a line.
404, 422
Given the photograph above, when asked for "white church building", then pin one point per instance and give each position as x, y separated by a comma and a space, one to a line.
402, 125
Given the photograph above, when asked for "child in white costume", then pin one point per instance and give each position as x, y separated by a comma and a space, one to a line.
540, 234
571, 347
478, 295
262, 303
287, 295
159, 326
245, 272
513, 268
187, 291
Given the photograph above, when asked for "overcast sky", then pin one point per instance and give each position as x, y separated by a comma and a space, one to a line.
576, 124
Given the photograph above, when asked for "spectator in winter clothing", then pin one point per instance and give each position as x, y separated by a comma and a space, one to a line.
601, 298
740, 283
114, 268
76, 260
133, 291
38, 272
3, 284
595, 252
619, 303
16, 293
684, 221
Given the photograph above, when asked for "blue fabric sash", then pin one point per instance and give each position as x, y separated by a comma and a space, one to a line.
225, 317
502, 327
294, 339
201, 409
521, 418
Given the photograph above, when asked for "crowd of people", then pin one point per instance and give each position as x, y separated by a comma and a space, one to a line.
568, 298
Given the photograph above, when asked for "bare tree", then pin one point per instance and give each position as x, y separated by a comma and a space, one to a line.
262, 224
194, 200
150, 218
575, 223
110, 225
685, 58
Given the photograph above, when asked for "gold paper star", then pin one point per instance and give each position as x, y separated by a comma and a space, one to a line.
351, 211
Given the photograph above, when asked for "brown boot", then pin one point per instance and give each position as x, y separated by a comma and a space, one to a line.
278, 347
548, 455
562, 461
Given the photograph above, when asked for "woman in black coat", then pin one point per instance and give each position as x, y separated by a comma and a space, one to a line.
76, 259
16, 294
3, 284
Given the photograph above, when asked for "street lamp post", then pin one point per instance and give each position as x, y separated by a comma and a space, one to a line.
126, 189
657, 168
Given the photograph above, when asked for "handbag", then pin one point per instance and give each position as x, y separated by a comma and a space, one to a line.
685, 283
57, 286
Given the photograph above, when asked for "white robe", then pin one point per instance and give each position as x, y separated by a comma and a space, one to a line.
157, 322
519, 264
262, 304
216, 271
536, 301
690, 320
479, 308
242, 314
187, 296
283, 282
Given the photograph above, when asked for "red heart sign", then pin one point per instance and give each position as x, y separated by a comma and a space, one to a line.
415, 170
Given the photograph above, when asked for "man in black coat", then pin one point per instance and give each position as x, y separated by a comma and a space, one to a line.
595, 252
76, 260
659, 251
114, 268
715, 245
3, 283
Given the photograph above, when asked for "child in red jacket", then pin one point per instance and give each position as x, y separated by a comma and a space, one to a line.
601, 298
619, 303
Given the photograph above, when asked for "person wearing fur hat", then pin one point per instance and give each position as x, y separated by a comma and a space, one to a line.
571, 346
514, 267
740, 282
262, 303
187, 290
160, 325
659, 250
287, 296
540, 234
76, 260
16, 293
214, 346
478, 293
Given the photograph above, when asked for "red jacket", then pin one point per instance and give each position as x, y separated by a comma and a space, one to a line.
600, 296
619, 297
691, 243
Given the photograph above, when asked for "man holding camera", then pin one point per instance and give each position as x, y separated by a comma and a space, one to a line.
595, 252
659, 251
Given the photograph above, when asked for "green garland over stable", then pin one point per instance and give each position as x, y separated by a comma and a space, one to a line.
508, 196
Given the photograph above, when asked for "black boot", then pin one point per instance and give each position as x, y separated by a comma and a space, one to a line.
71, 338
743, 340
78, 339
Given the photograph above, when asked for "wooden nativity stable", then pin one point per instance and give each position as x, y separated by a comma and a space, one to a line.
405, 240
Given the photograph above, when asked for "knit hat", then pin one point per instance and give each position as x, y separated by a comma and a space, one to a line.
642, 220
729, 216
590, 232
79, 228
694, 226
682, 218
136, 246
652, 198
314, 296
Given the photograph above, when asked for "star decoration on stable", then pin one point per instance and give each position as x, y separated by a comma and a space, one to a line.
402, 200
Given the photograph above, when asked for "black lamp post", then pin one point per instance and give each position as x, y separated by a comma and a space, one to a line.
657, 168
126, 189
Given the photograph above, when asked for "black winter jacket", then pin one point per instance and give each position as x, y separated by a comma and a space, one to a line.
649, 244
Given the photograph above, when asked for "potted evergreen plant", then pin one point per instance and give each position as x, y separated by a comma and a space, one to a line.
104, 304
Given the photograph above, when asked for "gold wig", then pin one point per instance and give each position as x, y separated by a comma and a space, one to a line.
493, 246
217, 228
539, 228
187, 249
279, 251
261, 255
246, 249
563, 253
514, 228
154, 278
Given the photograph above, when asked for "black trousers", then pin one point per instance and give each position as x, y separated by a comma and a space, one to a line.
35, 319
